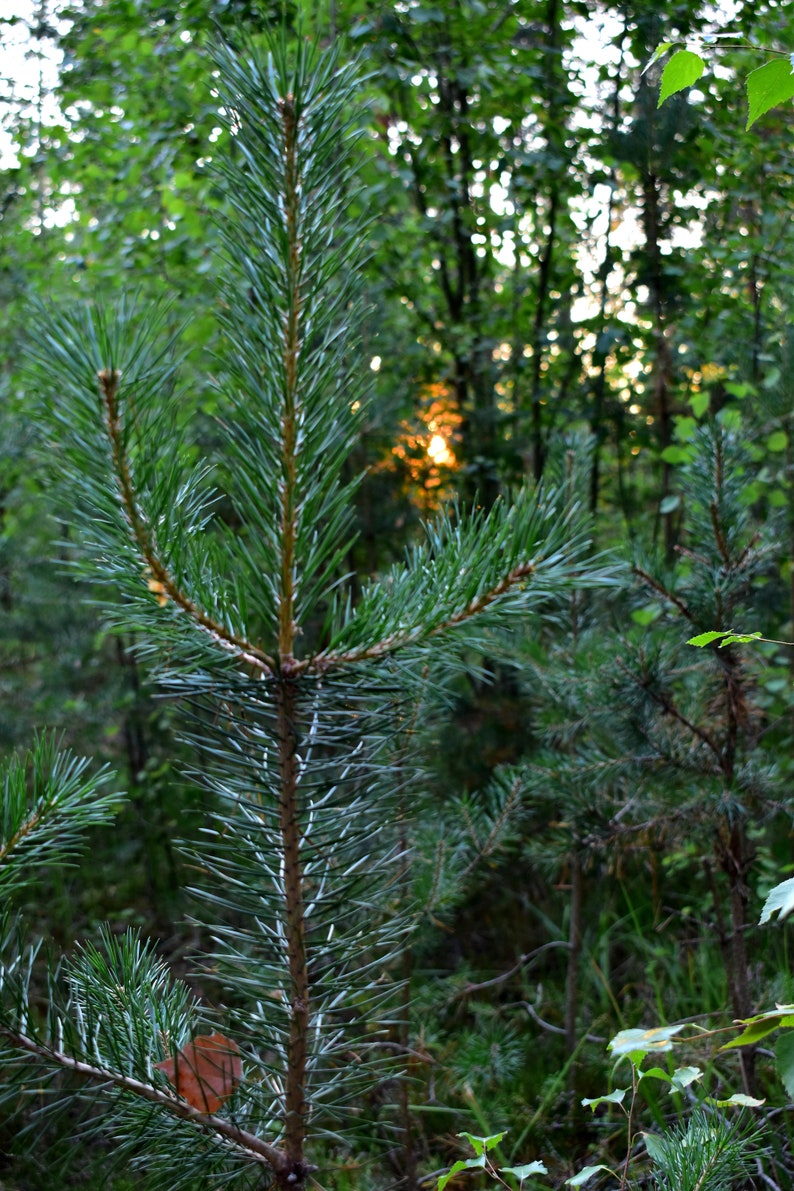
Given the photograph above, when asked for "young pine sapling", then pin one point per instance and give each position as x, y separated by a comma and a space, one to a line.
293, 679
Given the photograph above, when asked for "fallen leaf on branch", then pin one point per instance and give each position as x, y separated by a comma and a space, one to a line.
205, 1072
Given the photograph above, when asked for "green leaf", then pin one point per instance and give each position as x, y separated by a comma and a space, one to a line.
706, 638
739, 639
767, 86
669, 504
673, 454
658, 53
481, 1145
685, 428
523, 1172
467, 1164
777, 441
757, 1027
646, 615
681, 1078
700, 403
784, 1061
643, 1042
737, 1100
655, 1147
683, 69
780, 898
586, 1173
684, 1076
739, 390
656, 1073
615, 1097
725, 637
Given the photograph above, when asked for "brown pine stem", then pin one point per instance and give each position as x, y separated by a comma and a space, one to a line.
297, 1108
291, 356
669, 707
296, 1102
538, 336
655, 585
735, 862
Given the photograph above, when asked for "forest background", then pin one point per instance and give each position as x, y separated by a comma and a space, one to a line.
558, 270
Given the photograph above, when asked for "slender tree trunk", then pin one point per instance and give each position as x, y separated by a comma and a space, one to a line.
6, 598
554, 85
538, 329
574, 956
735, 847
735, 862
662, 404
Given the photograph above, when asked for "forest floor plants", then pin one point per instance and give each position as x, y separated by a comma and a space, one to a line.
704, 1149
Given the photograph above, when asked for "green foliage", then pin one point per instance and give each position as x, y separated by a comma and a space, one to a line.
629, 735
483, 1161
768, 86
50, 799
725, 638
681, 71
706, 1152
511, 557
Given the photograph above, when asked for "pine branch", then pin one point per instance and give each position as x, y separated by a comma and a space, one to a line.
49, 800
708, 1153
142, 515
657, 586
509, 559
247, 1143
161, 581
520, 963
670, 707
496, 828
297, 248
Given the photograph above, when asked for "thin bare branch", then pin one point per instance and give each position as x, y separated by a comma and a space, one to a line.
523, 960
